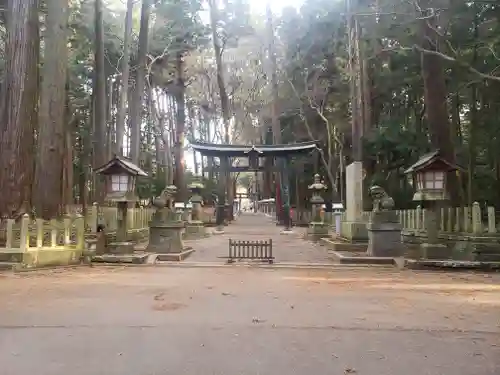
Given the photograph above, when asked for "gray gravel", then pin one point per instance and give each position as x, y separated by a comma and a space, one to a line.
141, 321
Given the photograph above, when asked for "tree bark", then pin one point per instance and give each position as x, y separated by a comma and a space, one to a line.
50, 165
138, 93
224, 100
99, 97
435, 97
19, 99
180, 129
120, 120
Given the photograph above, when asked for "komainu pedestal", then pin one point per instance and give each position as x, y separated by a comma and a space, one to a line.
165, 230
384, 229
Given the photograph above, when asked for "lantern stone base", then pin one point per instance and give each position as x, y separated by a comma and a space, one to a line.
195, 229
166, 238
434, 251
354, 231
384, 240
175, 257
317, 230
121, 248
159, 238
219, 229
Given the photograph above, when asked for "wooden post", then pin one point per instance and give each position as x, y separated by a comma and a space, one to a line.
449, 220
492, 227
9, 229
67, 231
24, 238
467, 223
477, 223
457, 220
419, 221
94, 217
53, 233
39, 232
80, 232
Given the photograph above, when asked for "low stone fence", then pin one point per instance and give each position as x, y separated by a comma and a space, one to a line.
38, 243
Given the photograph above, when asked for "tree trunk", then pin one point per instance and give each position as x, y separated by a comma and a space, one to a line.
49, 174
435, 96
136, 108
224, 100
120, 119
180, 128
19, 95
99, 97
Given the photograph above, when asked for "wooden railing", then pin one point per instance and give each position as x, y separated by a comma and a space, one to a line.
252, 250
452, 220
137, 218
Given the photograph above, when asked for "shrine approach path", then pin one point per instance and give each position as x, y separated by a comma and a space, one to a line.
287, 248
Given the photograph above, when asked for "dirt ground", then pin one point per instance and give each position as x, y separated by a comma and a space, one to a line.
239, 321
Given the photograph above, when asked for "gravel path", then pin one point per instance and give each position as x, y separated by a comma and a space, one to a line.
161, 320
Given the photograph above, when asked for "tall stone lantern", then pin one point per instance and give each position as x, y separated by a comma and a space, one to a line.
120, 178
195, 227
428, 177
317, 227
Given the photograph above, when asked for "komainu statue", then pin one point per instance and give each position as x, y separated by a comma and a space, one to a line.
381, 200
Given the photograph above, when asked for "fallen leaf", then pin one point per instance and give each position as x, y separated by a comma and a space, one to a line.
159, 297
257, 320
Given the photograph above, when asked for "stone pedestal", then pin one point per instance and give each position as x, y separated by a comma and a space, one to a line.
384, 235
432, 249
354, 229
121, 248
165, 231
317, 231
195, 229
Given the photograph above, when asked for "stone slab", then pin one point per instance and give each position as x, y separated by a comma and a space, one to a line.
336, 245
175, 257
7, 266
354, 191
121, 258
121, 247
360, 260
451, 265
435, 251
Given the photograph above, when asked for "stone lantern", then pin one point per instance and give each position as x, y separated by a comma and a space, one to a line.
428, 177
317, 227
195, 227
120, 179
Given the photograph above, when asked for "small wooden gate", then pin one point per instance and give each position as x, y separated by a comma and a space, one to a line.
252, 250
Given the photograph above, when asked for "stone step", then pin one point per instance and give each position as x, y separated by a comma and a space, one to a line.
488, 257
7, 266
121, 258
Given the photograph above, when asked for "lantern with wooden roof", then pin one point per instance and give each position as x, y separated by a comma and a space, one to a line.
428, 176
121, 176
